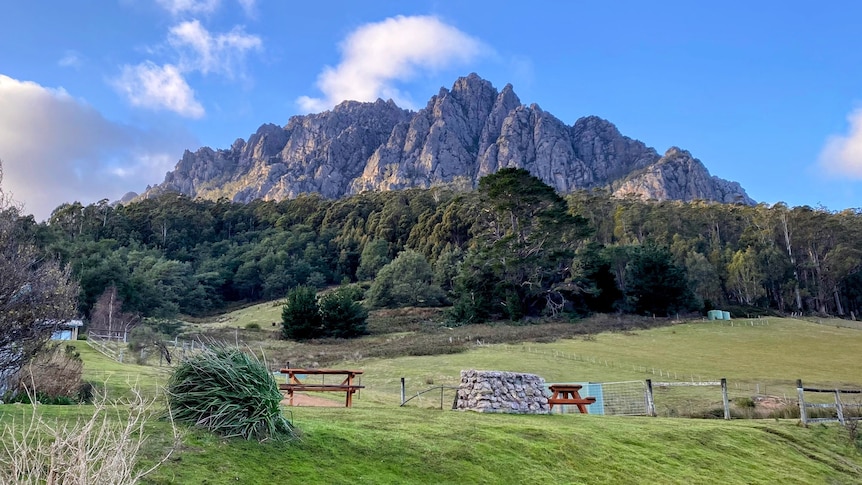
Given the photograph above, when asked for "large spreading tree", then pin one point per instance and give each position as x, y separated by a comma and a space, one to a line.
525, 242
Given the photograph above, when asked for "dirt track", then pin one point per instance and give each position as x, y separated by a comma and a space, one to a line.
306, 400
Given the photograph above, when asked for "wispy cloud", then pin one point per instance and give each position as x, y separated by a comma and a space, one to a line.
56, 148
70, 59
194, 7
189, 47
203, 7
249, 7
148, 85
375, 56
223, 53
842, 154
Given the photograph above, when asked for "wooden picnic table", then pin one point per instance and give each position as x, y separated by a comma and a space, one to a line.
297, 380
569, 394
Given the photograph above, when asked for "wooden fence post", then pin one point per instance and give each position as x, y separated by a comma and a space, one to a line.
403, 392
724, 398
801, 393
650, 401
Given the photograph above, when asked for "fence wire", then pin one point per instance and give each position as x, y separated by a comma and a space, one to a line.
627, 398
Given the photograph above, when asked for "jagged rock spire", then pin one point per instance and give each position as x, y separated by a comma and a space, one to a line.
462, 134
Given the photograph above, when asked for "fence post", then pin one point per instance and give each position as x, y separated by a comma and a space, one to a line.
801, 393
839, 407
650, 401
403, 395
724, 398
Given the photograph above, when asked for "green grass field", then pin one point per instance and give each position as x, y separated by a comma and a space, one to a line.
379, 442
400, 445
118, 378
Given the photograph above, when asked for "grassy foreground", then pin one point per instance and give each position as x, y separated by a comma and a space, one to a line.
412, 445
379, 442
401, 445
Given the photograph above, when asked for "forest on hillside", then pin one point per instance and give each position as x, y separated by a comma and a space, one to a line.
510, 249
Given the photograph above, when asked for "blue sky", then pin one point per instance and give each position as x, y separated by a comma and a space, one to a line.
101, 98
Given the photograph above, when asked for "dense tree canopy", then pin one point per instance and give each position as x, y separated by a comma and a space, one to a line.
520, 260
511, 248
407, 281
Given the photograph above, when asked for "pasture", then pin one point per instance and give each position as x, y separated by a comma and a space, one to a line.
377, 441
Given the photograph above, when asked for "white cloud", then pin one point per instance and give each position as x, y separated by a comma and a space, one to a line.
192, 48
70, 59
55, 149
202, 51
249, 7
148, 85
842, 154
179, 7
376, 55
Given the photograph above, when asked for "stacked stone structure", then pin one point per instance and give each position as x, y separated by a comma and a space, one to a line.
502, 392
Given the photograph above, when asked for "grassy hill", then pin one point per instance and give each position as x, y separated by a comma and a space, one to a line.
379, 442
402, 445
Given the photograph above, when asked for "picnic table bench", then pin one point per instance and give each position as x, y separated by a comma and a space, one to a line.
569, 394
297, 380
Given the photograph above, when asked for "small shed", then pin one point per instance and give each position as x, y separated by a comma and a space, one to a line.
68, 330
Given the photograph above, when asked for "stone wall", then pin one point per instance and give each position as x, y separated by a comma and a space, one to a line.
501, 392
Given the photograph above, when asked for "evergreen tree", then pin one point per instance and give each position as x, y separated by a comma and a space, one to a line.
341, 315
525, 243
300, 316
655, 285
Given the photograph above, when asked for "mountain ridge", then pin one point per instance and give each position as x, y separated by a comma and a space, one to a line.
461, 135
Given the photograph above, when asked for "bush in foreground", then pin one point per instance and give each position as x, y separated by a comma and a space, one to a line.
103, 448
54, 376
229, 393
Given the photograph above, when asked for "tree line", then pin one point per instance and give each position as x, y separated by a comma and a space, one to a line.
512, 248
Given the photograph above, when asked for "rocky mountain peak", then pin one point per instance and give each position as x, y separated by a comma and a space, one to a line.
679, 176
461, 134
676, 152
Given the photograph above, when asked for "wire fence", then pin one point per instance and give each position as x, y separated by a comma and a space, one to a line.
118, 350
648, 371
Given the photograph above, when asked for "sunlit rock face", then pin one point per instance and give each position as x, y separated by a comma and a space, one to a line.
461, 135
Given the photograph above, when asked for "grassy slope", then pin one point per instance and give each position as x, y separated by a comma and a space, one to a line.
769, 357
378, 442
403, 445
118, 378
262, 314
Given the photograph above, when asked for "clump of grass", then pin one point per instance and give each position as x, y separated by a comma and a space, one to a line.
230, 393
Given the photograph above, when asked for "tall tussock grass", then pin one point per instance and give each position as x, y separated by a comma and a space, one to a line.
230, 393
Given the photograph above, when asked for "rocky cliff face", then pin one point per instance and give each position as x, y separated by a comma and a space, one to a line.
679, 176
461, 135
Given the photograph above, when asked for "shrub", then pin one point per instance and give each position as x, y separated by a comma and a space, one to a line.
229, 393
335, 314
342, 317
252, 326
353, 290
300, 316
52, 377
